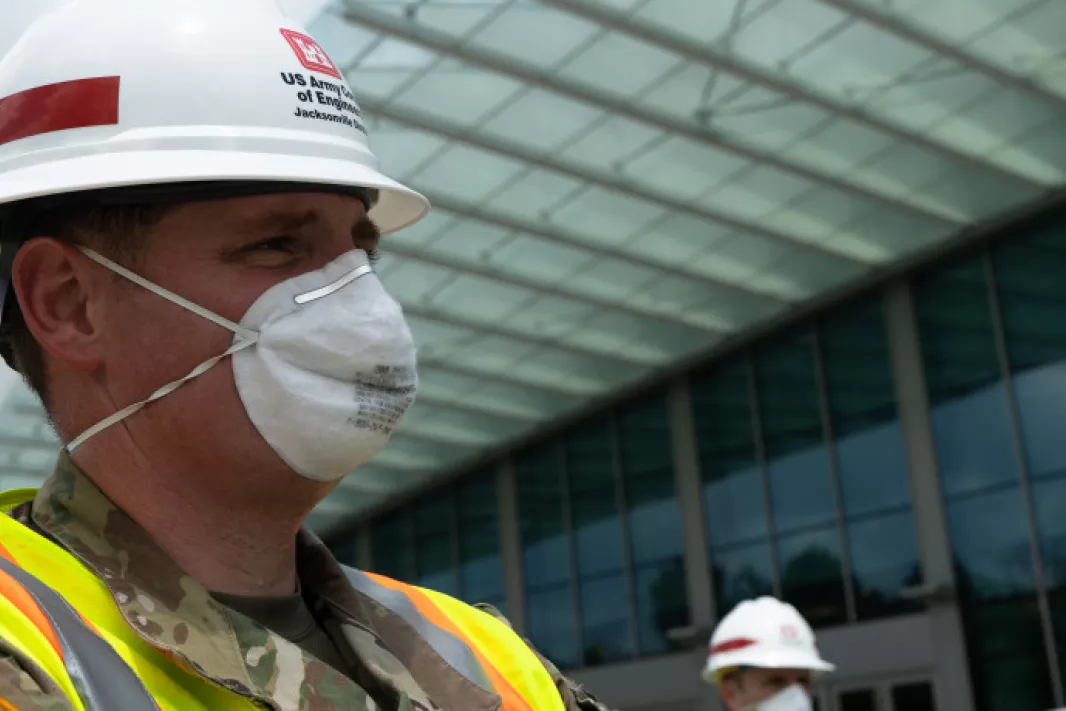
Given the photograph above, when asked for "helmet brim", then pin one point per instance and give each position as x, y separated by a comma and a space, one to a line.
772, 660
397, 207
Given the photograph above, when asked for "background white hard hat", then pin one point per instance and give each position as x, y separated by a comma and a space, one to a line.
764, 633
100, 94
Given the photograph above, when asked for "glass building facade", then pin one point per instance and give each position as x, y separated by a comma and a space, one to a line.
806, 485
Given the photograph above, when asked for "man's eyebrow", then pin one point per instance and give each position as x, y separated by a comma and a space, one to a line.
278, 221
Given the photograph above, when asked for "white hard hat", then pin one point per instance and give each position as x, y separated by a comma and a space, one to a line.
103, 94
765, 633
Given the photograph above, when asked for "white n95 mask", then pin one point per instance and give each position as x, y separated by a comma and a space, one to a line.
793, 698
324, 364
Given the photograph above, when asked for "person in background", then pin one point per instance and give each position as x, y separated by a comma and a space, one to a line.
763, 657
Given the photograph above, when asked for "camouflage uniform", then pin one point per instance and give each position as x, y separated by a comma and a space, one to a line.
393, 667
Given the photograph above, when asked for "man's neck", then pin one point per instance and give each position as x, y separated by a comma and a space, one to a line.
227, 541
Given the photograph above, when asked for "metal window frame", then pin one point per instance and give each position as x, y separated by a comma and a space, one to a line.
954, 689
759, 441
621, 503
568, 526
514, 584
829, 439
688, 487
1022, 460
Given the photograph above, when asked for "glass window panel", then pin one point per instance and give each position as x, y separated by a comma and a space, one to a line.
605, 629
434, 520
392, 546
796, 458
732, 488
346, 549
662, 603
858, 700
1049, 503
884, 560
1032, 296
871, 461
545, 543
971, 423
990, 538
480, 564
648, 476
913, 697
551, 625
811, 576
1009, 662
590, 465
742, 574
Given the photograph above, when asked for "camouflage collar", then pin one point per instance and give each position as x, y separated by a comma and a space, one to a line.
170, 610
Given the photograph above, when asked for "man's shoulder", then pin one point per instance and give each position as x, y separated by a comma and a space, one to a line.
575, 696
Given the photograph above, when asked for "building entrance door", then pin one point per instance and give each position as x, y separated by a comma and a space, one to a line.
914, 693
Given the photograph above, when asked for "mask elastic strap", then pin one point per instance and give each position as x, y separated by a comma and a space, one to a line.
161, 392
243, 333
245, 338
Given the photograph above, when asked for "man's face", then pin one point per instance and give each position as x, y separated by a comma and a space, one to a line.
750, 686
221, 255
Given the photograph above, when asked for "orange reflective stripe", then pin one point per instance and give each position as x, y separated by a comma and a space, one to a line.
512, 700
24, 602
6, 705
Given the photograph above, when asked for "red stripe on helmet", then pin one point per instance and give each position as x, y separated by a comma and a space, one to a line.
732, 645
58, 107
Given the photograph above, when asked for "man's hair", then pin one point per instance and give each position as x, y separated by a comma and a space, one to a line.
117, 231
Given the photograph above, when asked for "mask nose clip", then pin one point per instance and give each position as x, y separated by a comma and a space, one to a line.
333, 288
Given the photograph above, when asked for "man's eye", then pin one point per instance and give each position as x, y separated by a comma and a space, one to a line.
275, 244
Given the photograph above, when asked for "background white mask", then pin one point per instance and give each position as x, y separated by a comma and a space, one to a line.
794, 698
324, 364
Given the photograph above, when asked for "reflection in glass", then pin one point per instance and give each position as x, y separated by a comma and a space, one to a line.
480, 565
1049, 499
913, 697
797, 461
862, 408
545, 543
435, 544
1007, 651
393, 549
741, 574
605, 619
654, 522
662, 603
597, 526
990, 538
732, 489
811, 576
858, 700
550, 612
546, 554
884, 560
970, 416
1032, 298
594, 498
346, 549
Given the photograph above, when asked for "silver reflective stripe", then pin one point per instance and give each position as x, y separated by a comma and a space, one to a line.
102, 678
453, 650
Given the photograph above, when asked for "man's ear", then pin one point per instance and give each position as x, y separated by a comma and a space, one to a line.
54, 285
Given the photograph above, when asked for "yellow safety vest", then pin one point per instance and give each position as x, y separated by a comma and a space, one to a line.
57, 613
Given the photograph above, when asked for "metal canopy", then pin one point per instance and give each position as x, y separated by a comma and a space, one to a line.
620, 184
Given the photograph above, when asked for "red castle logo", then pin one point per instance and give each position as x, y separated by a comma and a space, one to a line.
311, 54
